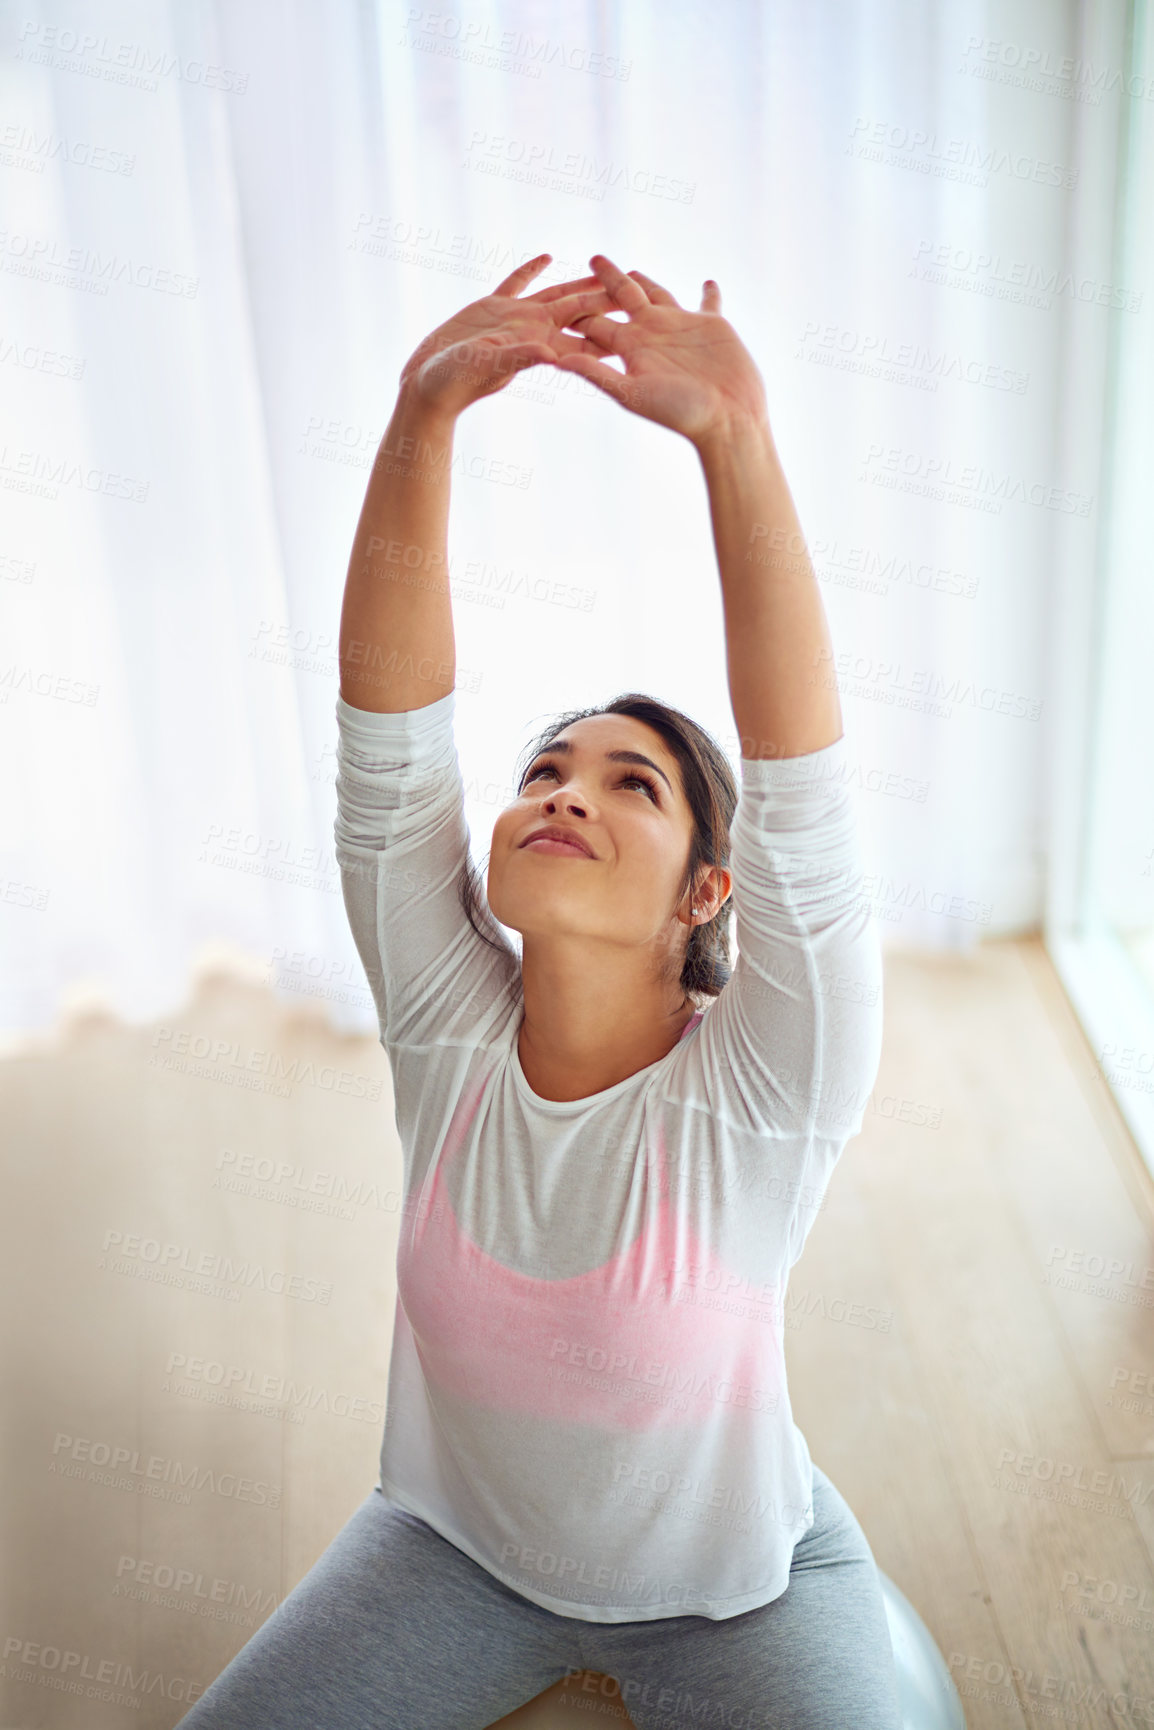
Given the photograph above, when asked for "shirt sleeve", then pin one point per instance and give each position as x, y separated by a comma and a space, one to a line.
795, 1033
401, 844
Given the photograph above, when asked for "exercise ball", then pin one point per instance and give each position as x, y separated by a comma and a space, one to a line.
926, 1692
929, 1700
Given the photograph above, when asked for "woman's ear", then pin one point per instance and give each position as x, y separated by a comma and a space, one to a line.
713, 891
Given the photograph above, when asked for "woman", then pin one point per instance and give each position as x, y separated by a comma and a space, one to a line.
614, 1145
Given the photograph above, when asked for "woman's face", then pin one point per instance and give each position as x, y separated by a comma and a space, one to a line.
612, 781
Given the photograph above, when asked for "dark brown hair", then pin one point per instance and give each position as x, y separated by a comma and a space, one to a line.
710, 789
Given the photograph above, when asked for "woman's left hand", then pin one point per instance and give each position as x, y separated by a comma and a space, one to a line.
689, 371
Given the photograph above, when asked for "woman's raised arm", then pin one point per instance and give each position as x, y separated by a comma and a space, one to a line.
396, 650
691, 372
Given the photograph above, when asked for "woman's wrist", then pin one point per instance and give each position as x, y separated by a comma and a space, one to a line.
732, 435
417, 413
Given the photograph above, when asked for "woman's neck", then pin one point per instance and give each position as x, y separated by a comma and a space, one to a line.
566, 1058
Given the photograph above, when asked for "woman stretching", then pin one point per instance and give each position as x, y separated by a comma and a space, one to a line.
614, 1144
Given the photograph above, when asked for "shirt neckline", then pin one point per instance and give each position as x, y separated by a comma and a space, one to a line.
561, 1106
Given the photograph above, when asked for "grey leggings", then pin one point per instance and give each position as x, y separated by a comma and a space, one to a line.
395, 1628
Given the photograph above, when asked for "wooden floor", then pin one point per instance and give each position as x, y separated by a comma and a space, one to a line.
969, 1437
970, 1349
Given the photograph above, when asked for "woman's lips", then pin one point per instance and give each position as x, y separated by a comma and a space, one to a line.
550, 844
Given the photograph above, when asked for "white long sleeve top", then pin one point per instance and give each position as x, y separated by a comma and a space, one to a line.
587, 1389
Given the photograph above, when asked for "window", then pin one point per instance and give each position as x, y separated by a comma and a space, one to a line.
1099, 926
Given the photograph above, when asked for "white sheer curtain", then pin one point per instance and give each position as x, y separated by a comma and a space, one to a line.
224, 229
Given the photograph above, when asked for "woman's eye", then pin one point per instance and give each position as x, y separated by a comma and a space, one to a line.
628, 780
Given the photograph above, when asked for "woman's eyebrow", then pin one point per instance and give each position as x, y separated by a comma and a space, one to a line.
563, 745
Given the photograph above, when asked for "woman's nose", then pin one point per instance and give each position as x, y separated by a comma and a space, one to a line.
572, 801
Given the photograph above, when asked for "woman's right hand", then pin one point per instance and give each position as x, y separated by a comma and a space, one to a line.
479, 349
